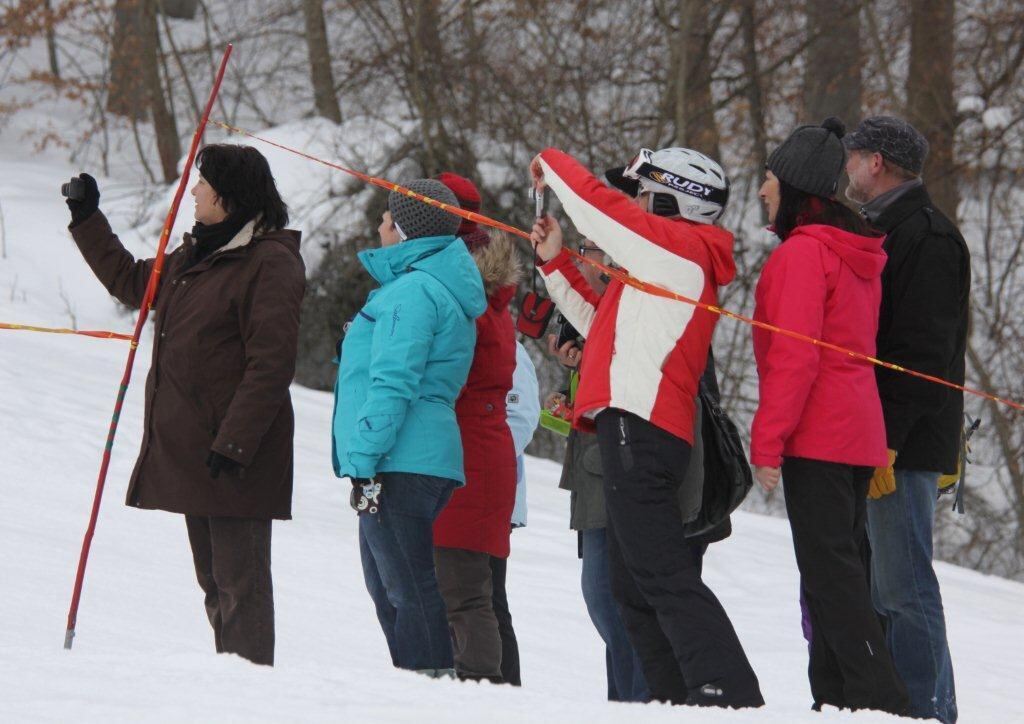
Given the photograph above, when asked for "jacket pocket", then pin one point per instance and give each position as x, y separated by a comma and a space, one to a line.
591, 460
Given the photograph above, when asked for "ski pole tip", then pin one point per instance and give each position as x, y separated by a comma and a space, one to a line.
69, 636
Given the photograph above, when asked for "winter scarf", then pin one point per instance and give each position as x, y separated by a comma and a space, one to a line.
211, 237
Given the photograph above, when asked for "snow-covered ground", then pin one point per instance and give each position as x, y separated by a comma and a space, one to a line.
144, 651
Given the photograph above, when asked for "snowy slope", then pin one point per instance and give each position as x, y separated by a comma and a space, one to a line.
144, 649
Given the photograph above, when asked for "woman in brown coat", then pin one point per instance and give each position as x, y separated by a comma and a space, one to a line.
217, 443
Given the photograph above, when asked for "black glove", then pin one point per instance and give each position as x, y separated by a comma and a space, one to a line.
365, 497
220, 464
86, 207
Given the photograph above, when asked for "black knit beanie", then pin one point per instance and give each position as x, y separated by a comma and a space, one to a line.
812, 158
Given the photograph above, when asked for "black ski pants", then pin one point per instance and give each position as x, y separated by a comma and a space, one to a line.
232, 560
850, 666
509, 644
688, 648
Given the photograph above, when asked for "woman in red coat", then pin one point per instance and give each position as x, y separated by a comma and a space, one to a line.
477, 522
819, 417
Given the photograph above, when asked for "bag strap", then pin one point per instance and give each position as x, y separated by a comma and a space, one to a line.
965, 438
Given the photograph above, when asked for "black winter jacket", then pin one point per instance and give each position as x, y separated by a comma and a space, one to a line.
923, 326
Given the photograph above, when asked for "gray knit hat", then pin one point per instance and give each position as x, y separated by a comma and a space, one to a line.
812, 158
894, 138
416, 218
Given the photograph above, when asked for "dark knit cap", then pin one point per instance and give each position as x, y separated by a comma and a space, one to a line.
467, 194
894, 138
478, 238
418, 219
812, 158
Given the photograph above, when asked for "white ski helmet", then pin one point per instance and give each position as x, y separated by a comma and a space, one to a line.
684, 182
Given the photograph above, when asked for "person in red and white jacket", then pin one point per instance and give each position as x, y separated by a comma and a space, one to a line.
645, 354
819, 418
639, 377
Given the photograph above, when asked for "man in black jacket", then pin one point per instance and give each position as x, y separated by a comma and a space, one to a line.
923, 327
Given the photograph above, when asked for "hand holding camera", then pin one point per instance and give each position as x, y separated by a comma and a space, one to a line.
546, 237
566, 348
82, 196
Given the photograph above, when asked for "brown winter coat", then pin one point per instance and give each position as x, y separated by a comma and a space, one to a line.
224, 347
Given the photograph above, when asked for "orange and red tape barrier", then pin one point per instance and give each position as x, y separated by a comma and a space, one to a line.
626, 278
59, 330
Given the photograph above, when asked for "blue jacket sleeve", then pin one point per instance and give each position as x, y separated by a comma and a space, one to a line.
523, 408
398, 357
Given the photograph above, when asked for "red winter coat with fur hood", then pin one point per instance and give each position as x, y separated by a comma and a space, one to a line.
479, 515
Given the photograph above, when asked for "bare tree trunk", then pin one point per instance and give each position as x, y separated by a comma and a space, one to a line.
51, 40
194, 104
692, 110
473, 62
702, 128
320, 61
125, 97
832, 84
930, 105
681, 67
164, 126
430, 89
755, 100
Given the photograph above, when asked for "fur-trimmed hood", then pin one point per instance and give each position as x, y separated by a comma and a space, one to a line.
498, 262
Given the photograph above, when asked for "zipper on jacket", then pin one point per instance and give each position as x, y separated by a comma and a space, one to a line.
625, 452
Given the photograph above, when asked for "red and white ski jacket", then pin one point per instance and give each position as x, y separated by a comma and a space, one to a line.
644, 354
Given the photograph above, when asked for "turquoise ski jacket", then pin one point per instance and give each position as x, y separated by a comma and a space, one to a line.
404, 360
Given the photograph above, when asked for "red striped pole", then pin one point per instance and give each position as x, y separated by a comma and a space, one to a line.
147, 304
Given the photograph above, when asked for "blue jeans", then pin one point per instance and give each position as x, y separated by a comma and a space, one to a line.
625, 675
905, 592
397, 550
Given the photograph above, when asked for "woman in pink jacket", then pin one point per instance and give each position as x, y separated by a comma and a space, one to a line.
819, 419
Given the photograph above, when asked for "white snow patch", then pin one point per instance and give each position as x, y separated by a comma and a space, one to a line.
970, 104
997, 117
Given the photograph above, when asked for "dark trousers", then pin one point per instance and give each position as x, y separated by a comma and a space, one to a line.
499, 602
464, 579
396, 548
624, 671
850, 666
232, 560
688, 647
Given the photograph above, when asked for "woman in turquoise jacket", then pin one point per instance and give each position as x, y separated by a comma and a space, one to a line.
403, 361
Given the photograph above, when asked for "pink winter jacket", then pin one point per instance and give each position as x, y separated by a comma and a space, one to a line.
815, 403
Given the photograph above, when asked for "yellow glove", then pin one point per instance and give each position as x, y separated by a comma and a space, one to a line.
883, 481
948, 481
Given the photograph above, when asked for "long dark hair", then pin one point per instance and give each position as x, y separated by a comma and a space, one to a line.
797, 208
241, 178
